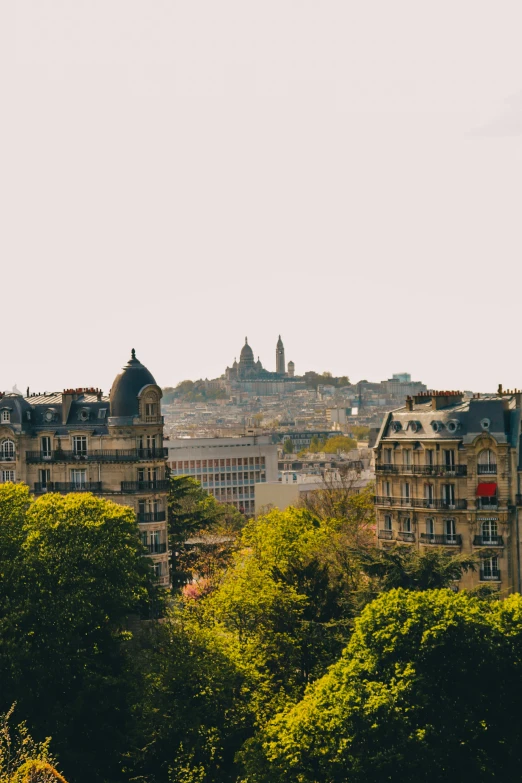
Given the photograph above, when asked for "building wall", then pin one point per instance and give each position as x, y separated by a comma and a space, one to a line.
119, 463
409, 463
227, 468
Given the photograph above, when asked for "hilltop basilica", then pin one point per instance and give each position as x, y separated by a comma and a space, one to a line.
247, 369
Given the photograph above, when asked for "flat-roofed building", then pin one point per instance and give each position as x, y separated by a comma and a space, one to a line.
227, 468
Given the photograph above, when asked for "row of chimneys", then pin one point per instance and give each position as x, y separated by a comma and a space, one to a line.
439, 399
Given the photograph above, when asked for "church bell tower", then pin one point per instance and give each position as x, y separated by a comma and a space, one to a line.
280, 357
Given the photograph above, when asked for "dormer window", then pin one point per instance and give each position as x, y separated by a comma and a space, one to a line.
150, 409
48, 416
5, 416
83, 414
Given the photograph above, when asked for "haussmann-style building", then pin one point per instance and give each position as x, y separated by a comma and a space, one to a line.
80, 441
448, 475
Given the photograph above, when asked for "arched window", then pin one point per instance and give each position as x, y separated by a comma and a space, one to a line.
7, 450
487, 462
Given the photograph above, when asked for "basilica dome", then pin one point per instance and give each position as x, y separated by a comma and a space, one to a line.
247, 354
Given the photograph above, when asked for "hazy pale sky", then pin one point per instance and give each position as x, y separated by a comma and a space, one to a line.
177, 175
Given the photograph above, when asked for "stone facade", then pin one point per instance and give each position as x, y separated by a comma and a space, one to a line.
80, 440
448, 474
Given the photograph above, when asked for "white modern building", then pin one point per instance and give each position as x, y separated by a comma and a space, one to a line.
228, 468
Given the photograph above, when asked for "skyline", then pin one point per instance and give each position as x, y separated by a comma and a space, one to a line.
176, 176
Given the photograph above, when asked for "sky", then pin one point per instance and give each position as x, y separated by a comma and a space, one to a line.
175, 176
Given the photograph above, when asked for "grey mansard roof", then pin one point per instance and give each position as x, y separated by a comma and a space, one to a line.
461, 421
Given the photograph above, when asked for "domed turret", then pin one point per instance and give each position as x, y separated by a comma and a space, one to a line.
247, 355
127, 386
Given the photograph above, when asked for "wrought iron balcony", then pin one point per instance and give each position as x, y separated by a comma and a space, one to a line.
5, 457
449, 505
96, 455
404, 535
488, 541
441, 539
491, 575
159, 485
486, 470
151, 516
487, 504
156, 549
67, 486
424, 470
386, 534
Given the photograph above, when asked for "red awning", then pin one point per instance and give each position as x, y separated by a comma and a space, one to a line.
487, 489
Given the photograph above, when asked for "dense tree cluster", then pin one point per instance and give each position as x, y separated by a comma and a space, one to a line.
312, 657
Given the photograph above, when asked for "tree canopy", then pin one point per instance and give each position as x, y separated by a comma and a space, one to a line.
426, 690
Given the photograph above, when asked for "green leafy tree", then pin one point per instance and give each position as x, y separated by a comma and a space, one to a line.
360, 432
404, 566
288, 446
193, 512
194, 713
338, 443
427, 689
76, 573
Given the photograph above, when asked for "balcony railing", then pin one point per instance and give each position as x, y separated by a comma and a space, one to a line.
4, 457
424, 470
403, 535
449, 505
386, 534
441, 539
487, 504
96, 455
491, 575
488, 470
159, 485
151, 516
156, 549
488, 541
67, 486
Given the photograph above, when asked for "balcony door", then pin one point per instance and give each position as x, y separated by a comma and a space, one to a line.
449, 459
45, 478
450, 531
45, 447
79, 479
448, 495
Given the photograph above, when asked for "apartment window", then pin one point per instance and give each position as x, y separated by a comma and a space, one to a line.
430, 527
151, 441
387, 522
490, 568
406, 457
388, 456
158, 570
5, 416
450, 530
406, 491
204, 463
7, 450
386, 489
487, 462
489, 531
79, 478
141, 474
141, 507
428, 457
428, 493
79, 444
45, 447
406, 524
45, 477
7, 475
449, 458
150, 409
448, 494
